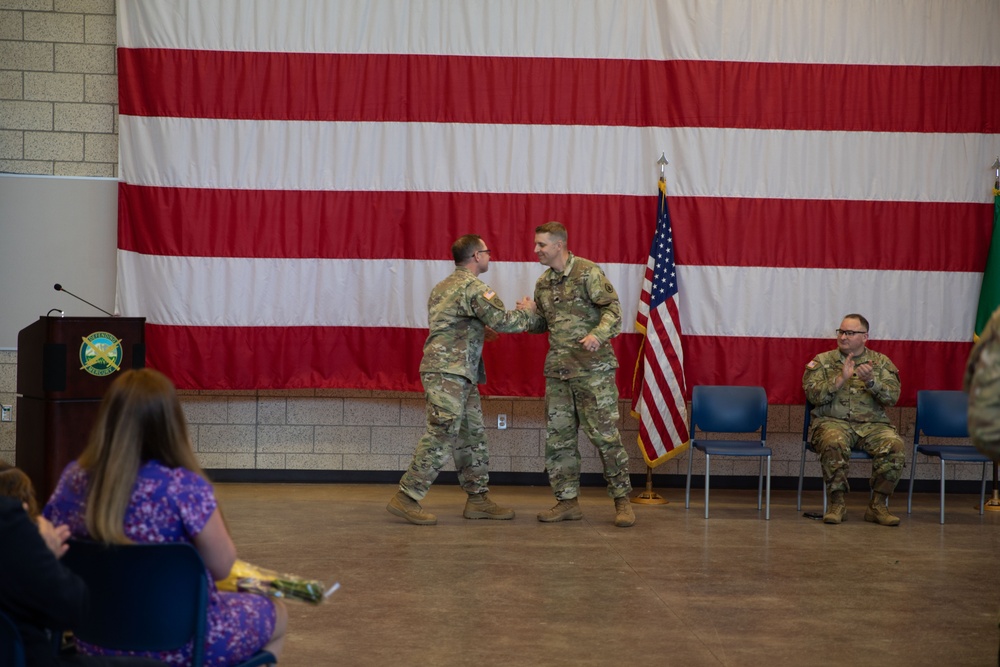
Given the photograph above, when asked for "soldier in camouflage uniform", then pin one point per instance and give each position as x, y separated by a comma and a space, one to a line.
982, 381
850, 388
578, 306
462, 312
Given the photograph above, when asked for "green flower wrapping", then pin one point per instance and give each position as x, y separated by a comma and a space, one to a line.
248, 578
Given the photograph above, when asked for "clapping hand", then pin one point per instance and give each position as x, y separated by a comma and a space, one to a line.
54, 536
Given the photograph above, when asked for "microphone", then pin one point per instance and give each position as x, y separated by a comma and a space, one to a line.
59, 288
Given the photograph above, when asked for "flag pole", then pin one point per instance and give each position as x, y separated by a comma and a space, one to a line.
650, 497
993, 504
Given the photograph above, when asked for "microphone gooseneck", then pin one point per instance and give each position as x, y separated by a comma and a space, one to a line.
59, 288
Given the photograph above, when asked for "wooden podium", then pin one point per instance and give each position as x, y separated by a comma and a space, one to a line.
64, 366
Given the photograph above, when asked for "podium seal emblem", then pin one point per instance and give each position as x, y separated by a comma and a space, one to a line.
101, 354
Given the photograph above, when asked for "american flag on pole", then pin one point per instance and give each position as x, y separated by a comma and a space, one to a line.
293, 173
658, 394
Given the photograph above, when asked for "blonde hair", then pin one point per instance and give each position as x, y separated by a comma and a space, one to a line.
14, 483
140, 419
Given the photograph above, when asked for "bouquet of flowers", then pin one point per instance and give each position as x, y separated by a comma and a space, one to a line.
248, 578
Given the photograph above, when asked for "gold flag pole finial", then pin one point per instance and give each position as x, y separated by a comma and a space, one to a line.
650, 497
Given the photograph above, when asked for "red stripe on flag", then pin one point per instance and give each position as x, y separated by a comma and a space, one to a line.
388, 358
384, 358
708, 230
777, 364
422, 88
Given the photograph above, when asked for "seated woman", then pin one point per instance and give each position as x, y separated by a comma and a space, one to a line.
138, 480
39, 595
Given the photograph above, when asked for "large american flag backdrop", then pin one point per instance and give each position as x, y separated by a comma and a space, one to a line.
294, 172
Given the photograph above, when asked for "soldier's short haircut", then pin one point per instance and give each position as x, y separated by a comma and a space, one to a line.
465, 247
859, 318
554, 229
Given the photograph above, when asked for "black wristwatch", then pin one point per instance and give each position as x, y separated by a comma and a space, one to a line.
870, 384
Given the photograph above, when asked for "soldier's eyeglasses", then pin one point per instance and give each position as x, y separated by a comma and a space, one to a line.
486, 250
848, 332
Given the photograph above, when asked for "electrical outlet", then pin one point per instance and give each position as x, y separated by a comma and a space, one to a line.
6, 413
501, 421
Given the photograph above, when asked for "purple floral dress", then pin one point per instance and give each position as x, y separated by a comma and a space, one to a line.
173, 505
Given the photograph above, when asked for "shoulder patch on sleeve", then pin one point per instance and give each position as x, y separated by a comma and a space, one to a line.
812, 364
489, 294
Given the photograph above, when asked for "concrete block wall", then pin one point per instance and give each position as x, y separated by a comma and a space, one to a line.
58, 87
58, 116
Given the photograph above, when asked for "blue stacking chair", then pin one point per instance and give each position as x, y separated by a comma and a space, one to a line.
944, 414
145, 597
11, 645
808, 447
730, 409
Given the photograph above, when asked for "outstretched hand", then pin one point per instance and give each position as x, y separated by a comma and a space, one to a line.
528, 304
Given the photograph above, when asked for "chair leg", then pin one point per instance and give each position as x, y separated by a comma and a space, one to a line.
802, 474
707, 463
982, 493
767, 503
913, 474
760, 480
687, 487
942, 491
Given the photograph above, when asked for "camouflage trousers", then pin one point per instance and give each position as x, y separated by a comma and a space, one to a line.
591, 403
833, 440
454, 426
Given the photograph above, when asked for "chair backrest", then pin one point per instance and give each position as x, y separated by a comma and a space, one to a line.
143, 597
729, 409
11, 645
942, 414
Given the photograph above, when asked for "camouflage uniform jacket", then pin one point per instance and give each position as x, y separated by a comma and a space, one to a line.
982, 381
853, 402
577, 301
458, 311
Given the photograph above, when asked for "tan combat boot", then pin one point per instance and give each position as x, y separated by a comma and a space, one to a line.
406, 507
565, 510
479, 506
836, 510
878, 511
624, 516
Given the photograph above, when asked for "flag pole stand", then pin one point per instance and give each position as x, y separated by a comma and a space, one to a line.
650, 497
993, 504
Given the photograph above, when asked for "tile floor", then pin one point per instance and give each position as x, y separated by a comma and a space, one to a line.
675, 589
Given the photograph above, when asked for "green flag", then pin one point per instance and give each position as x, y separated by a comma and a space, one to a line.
989, 293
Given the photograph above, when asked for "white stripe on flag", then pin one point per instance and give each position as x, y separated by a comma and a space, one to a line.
306, 155
871, 32
738, 301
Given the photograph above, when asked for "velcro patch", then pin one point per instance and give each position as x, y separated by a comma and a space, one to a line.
811, 364
489, 294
